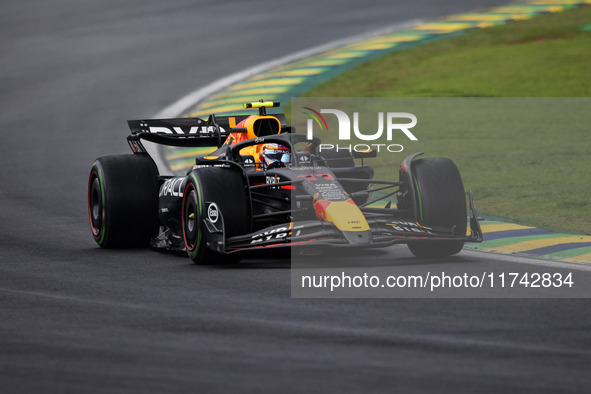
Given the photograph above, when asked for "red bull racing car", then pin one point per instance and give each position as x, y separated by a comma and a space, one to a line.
266, 187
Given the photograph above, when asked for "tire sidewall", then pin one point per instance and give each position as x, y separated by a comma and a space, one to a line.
128, 200
99, 234
194, 238
440, 202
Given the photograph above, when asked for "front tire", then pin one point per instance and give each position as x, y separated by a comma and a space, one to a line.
441, 202
123, 201
193, 231
226, 188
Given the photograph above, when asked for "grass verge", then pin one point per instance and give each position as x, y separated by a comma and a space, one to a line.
535, 178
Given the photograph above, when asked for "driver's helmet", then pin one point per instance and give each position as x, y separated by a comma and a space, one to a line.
275, 155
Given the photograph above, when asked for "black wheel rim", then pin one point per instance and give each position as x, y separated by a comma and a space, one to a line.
191, 219
95, 206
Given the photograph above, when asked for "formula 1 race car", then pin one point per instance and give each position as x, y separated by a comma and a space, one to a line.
266, 187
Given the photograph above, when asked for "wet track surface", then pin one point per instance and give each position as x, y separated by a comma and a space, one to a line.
74, 318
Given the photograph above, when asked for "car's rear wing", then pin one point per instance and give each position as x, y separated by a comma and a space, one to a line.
187, 132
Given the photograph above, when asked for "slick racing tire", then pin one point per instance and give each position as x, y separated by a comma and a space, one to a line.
226, 190
123, 201
441, 202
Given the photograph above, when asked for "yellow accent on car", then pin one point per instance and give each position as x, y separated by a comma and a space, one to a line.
346, 216
260, 126
260, 104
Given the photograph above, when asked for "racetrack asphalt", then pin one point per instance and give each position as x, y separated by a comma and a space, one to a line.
75, 318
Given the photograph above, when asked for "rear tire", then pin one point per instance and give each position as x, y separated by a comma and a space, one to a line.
441, 202
123, 201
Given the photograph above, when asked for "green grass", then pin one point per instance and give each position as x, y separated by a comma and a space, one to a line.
535, 175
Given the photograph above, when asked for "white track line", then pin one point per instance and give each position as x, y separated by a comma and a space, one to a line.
193, 98
178, 107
